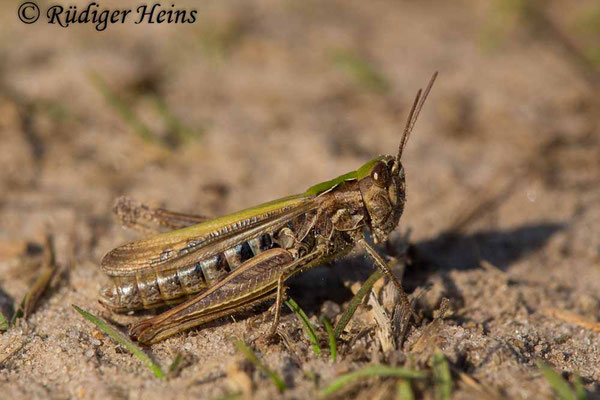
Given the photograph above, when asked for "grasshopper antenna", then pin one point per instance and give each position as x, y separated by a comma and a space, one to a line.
414, 114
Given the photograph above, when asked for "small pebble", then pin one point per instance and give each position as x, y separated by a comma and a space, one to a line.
97, 334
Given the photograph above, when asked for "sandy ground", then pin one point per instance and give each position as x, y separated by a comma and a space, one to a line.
260, 100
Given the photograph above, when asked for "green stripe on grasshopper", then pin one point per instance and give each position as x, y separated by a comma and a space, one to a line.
217, 223
350, 176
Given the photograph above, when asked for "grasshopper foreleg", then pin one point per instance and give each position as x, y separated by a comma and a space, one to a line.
382, 265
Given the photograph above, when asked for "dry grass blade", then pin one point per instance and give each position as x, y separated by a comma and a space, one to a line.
442, 379
306, 325
123, 341
331, 337
425, 342
47, 271
384, 324
561, 387
483, 392
370, 371
249, 354
36, 290
355, 302
572, 318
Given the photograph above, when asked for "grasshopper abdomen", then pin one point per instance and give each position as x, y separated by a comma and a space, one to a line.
155, 287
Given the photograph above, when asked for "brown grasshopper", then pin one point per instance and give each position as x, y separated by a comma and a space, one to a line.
216, 267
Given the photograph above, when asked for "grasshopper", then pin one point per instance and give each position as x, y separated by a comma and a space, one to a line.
211, 268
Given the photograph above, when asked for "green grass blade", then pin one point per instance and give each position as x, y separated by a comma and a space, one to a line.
3, 322
370, 371
123, 110
442, 379
307, 327
249, 354
355, 302
124, 341
181, 132
363, 72
174, 367
404, 390
580, 392
560, 386
331, 336
230, 396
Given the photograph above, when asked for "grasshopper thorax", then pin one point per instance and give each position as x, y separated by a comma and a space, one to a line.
383, 191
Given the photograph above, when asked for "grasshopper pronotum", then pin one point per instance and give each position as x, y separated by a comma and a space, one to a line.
216, 267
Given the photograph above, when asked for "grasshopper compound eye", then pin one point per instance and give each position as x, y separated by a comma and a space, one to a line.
381, 175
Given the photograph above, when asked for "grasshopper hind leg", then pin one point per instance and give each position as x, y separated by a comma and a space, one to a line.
255, 281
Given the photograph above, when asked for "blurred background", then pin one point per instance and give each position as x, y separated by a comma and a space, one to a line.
259, 100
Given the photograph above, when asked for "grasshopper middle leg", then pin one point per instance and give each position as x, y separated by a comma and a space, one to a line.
278, 304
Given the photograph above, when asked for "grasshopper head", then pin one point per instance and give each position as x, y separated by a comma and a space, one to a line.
384, 192
382, 181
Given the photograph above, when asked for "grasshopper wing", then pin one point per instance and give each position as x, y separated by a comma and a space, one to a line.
139, 216
169, 250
